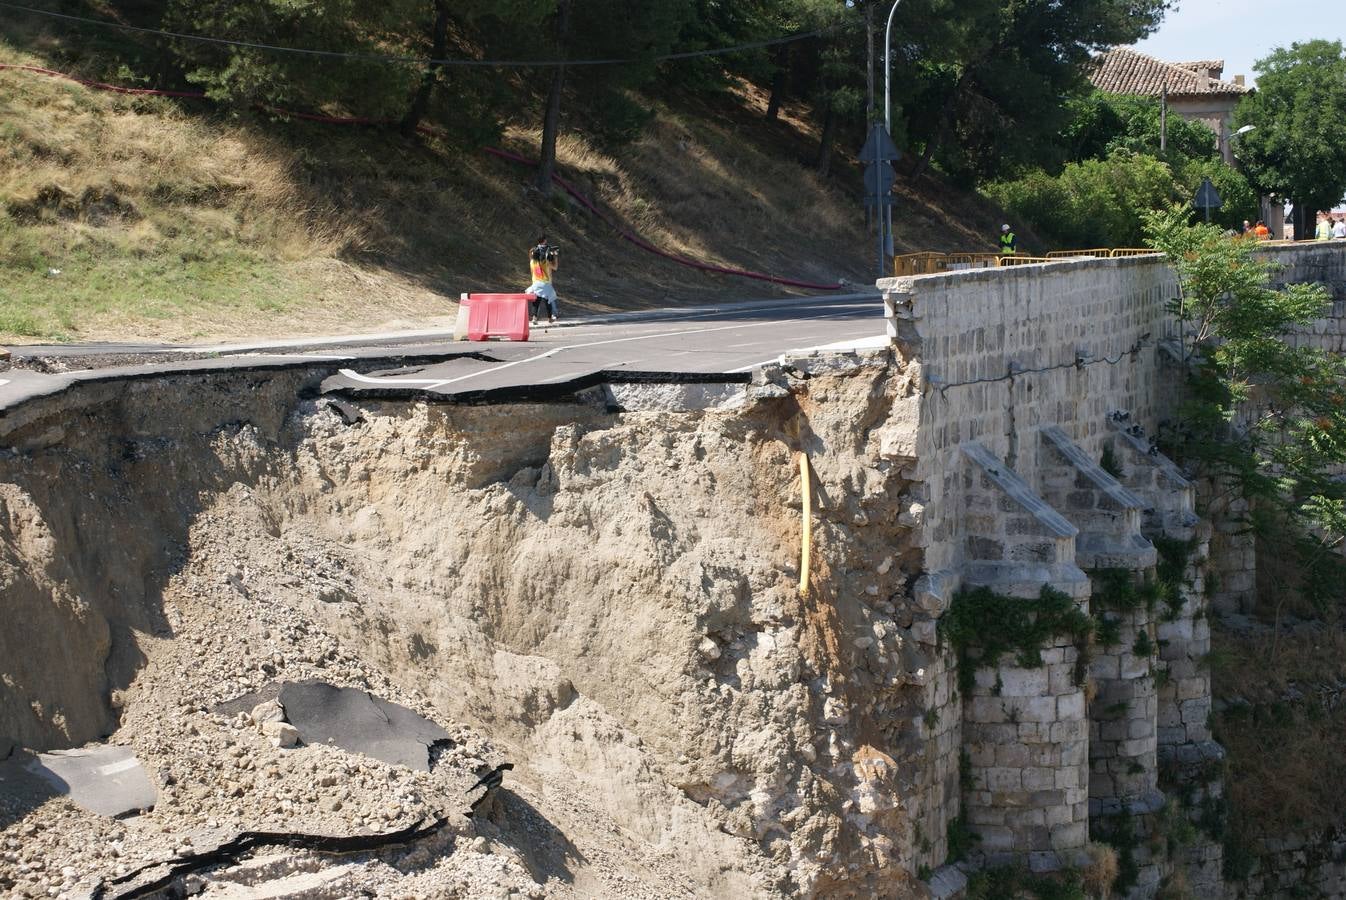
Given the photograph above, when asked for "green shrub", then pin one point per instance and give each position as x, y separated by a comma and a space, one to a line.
1092, 203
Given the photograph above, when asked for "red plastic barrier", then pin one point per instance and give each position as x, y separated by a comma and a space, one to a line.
498, 315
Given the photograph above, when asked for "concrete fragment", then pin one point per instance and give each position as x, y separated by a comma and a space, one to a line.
282, 734
270, 711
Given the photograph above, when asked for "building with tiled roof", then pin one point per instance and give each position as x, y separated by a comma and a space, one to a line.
1195, 90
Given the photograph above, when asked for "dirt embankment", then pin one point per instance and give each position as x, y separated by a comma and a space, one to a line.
609, 599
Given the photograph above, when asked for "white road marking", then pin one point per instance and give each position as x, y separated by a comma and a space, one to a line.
434, 384
122, 765
365, 379
4, 381
497, 368
777, 360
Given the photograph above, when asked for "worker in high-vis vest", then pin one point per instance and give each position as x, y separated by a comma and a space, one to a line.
1008, 243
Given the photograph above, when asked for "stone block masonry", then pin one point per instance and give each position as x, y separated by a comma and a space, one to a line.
1034, 391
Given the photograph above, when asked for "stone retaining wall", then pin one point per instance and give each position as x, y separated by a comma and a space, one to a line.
1298, 865
1023, 377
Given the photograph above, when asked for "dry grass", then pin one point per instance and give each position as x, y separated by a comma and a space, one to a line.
1285, 729
166, 221
1098, 875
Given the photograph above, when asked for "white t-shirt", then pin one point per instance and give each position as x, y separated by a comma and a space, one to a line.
1339, 230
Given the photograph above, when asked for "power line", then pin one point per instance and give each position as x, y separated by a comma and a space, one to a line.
426, 61
1015, 371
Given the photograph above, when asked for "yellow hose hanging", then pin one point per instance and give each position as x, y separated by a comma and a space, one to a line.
806, 533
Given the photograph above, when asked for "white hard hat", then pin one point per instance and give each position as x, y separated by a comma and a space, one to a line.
1004, 228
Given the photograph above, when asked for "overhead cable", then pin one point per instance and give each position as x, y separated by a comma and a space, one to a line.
426, 61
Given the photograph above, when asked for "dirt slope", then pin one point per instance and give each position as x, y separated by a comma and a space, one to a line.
610, 599
144, 217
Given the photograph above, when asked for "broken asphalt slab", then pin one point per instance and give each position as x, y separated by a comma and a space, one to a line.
105, 780
358, 721
351, 719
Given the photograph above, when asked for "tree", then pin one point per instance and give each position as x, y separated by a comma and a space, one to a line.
633, 30
243, 76
1101, 123
1297, 149
985, 79
1114, 173
1092, 203
1258, 413
551, 116
439, 48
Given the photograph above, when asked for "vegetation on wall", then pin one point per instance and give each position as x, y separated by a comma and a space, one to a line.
1259, 415
982, 625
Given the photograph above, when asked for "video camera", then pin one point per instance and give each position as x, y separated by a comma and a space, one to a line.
547, 252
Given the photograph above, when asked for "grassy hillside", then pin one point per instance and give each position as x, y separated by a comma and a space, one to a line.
143, 217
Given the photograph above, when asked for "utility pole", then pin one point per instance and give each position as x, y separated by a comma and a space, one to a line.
869, 80
1163, 121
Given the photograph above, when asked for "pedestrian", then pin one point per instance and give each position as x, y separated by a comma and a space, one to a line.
1261, 230
1339, 229
543, 261
1009, 244
1247, 227
1324, 230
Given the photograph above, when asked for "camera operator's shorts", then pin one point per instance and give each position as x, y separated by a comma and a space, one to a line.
545, 290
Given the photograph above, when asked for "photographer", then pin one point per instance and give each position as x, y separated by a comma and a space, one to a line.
543, 261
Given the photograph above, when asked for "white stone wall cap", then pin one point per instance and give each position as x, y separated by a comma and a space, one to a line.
1018, 490
1075, 455
1135, 437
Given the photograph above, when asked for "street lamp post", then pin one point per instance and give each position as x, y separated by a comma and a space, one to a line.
1238, 134
886, 213
888, 70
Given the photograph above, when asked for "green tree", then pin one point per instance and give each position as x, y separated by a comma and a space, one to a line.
1101, 123
243, 76
635, 30
463, 29
1092, 203
1259, 413
986, 79
1298, 149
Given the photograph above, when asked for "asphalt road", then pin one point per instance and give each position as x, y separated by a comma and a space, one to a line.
724, 343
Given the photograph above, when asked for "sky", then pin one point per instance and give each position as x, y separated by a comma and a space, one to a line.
1242, 31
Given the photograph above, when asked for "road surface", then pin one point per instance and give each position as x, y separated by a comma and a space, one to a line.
690, 345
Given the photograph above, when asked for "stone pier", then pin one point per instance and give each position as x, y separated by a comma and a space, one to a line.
1024, 729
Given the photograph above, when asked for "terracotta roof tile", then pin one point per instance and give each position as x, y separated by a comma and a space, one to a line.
1211, 67
1124, 71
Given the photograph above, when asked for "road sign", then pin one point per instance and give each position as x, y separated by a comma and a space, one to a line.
878, 152
1206, 197
879, 180
879, 147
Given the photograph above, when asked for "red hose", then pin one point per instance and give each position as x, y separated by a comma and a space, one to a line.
100, 85
570, 189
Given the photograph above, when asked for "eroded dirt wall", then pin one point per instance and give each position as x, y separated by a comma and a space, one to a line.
614, 595
98, 489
